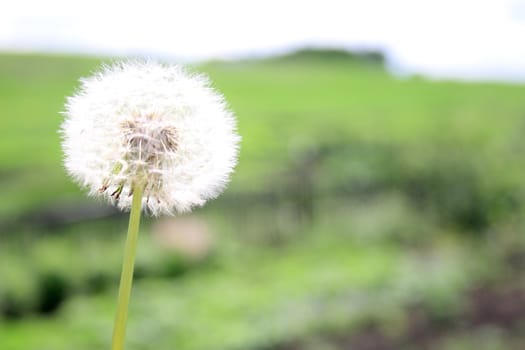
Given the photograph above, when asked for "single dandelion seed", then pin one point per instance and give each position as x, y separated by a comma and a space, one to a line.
152, 137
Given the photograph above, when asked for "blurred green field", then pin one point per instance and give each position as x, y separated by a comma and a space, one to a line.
284, 108
361, 203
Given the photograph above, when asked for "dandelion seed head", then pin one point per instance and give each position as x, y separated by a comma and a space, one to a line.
153, 125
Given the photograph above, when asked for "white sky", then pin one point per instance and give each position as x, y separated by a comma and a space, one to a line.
471, 39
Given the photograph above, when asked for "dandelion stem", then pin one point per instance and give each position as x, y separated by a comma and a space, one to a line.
126, 278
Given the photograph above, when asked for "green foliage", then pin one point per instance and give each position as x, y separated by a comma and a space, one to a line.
83, 259
256, 298
324, 56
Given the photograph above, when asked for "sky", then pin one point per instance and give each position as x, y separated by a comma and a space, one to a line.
461, 39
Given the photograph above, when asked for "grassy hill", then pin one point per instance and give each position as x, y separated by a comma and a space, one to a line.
284, 107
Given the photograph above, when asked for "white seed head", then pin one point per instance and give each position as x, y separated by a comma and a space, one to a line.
151, 125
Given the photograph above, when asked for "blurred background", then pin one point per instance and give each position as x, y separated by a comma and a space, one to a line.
379, 201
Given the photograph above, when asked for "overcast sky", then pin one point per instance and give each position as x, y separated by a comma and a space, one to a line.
470, 39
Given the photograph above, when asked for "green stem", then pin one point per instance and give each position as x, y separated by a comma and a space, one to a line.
126, 278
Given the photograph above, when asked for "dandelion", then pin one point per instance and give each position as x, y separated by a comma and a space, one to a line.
148, 136
149, 125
